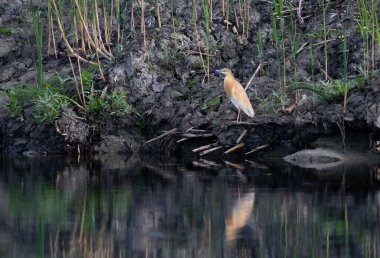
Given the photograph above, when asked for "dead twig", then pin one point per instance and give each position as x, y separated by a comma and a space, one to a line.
234, 165
161, 136
324, 72
253, 76
241, 136
182, 140
205, 147
196, 135
299, 12
302, 47
257, 148
203, 163
256, 165
210, 150
235, 148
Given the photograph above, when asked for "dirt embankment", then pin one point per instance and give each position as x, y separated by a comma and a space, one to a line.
168, 90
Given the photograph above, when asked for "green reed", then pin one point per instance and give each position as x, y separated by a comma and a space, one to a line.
206, 14
172, 15
377, 28
294, 39
325, 32
279, 39
311, 55
276, 39
132, 27
364, 24
345, 69
38, 32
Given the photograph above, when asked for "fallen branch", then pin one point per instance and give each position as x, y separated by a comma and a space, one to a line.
182, 140
194, 135
253, 76
234, 165
256, 165
235, 148
205, 147
162, 135
257, 148
206, 164
241, 136
210, 150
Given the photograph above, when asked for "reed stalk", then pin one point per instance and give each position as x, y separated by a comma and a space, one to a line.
195, 19
311, 55
227, 13
51, 37
143, 29
118, 19
207, 30
158, 13
132, 17
38, 32
172, 15
325, 6
223, 9
260, 47
345, 69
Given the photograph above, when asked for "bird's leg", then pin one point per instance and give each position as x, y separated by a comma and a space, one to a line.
238, 118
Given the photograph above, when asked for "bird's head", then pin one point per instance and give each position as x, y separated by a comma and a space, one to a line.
225, 71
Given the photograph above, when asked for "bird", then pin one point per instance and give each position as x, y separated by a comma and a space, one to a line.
236, 93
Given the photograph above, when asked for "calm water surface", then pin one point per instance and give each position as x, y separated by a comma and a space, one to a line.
119, 206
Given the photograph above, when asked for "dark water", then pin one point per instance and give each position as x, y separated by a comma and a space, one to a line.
123, 206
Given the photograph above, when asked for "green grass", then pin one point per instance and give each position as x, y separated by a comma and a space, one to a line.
5, 31
326, 91
215, 101
118, 105
15, 106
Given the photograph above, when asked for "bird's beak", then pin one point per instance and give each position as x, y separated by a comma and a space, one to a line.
218, 72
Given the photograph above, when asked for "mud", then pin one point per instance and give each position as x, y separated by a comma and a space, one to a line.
167, 87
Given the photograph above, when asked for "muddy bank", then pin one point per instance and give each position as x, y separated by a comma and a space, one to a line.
168, 90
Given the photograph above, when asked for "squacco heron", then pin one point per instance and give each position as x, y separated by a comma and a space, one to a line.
236, 93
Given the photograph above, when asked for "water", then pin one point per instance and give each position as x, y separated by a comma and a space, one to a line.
118, 206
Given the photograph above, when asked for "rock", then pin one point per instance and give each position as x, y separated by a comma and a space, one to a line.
30, 154
140, 76
117, 75
4, 102
7, 73
74, 129
112, 144
303, 119
7, 45
315, 158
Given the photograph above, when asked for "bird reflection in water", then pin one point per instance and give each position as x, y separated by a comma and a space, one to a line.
239, 216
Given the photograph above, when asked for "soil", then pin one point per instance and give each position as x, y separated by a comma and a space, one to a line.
168, 90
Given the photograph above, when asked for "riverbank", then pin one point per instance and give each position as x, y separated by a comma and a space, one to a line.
176, 107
